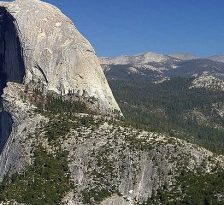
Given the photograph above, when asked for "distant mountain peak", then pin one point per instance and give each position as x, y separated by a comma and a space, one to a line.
142, 58
184, 56
219, 58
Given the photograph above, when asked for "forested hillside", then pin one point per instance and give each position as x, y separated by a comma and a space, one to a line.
192, 114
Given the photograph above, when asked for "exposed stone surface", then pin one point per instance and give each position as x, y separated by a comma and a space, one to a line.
5, 128
41, 47
136, 163
56, 54
16, 154
209, 82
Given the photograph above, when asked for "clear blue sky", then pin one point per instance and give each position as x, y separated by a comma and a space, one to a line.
117, 27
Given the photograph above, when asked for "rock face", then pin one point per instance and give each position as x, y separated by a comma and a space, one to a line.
15, 128
54, 53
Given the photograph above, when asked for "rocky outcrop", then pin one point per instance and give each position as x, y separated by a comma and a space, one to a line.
134, 163
55, 54
14, 153
208, 81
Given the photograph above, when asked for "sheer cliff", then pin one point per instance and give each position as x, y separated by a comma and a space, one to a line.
55, 55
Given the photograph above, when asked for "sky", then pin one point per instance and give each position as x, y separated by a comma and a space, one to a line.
117, 27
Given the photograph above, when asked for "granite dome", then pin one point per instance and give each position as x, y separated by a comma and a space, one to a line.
55, 54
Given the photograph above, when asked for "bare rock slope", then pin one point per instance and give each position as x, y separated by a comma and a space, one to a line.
55, 54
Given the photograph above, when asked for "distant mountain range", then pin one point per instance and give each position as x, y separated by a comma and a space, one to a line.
159, 68
184, 56
149, 57
219, 58
137, 59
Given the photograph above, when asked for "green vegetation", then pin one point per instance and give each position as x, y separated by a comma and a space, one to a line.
163, 107
53, 102
101, 176
44, 182
94, 196
59, 126
202, 189
57, 104
47, 179
192, 189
